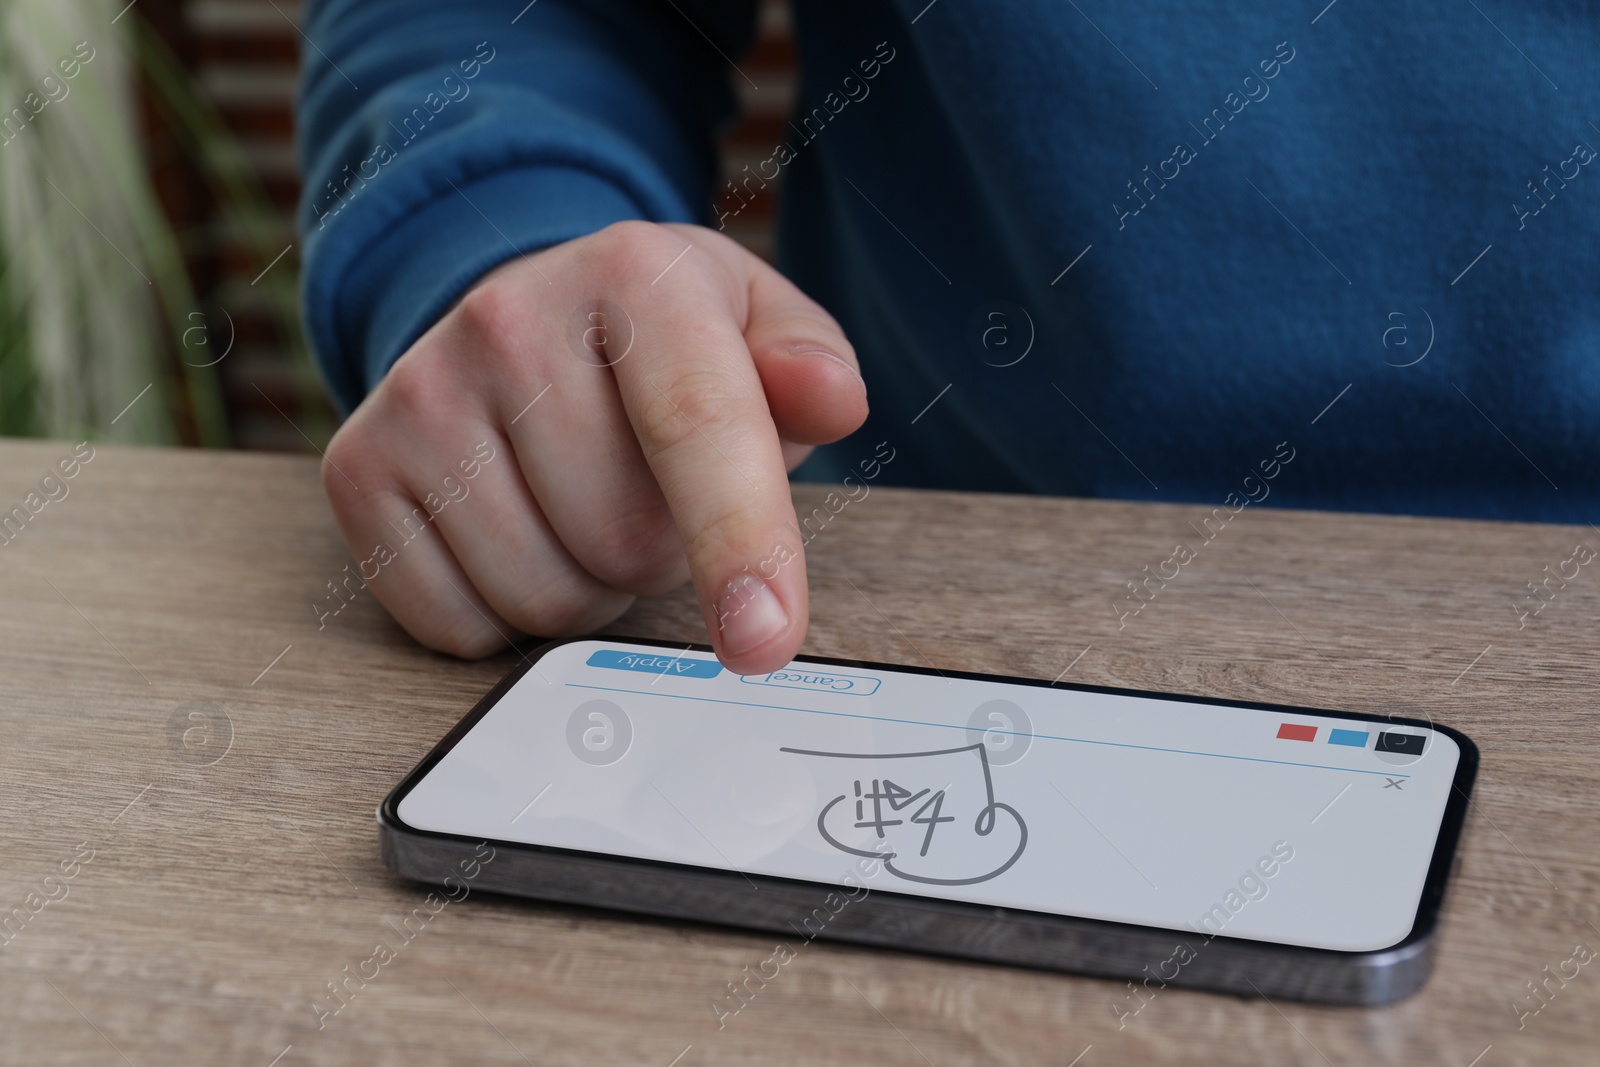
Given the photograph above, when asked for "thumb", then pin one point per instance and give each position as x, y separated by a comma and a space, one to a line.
807, 367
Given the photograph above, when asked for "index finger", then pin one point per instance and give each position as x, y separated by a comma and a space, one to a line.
697, 406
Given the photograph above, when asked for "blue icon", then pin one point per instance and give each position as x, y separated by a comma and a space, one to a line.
675, 665
1353, 738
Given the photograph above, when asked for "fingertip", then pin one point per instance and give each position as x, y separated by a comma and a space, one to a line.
751, 627
794, 455
764, 659
815, 395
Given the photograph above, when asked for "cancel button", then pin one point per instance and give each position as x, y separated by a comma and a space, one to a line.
825, 680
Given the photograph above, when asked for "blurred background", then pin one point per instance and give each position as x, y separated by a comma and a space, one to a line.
148, 258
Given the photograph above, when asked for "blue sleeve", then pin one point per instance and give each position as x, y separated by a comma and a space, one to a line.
439, 139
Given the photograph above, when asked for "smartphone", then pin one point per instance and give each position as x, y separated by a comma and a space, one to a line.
1155, 838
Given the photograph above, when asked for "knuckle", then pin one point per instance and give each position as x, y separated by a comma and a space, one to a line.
560, 607
345, 464
633, 245
444, 623
410, 392
721, 531
492, 332
489, 310
466, 636
695, 401
638, 550
337, 456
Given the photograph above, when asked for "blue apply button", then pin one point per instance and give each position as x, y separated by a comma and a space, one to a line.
650, 663
824, 680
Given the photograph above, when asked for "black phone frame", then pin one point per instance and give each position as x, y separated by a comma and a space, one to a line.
885, 918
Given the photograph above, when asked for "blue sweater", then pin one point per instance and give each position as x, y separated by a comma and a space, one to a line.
1136, 250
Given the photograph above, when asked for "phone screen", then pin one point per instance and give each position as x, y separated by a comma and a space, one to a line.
1305, 828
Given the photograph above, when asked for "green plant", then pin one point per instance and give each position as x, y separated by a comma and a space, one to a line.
96, 306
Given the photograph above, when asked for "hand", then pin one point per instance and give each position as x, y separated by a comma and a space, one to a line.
678, 378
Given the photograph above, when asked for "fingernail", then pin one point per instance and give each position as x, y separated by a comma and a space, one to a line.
749, 614
831, 355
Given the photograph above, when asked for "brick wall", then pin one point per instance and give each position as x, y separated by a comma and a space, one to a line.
244, 55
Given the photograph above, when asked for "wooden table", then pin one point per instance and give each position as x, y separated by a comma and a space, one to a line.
163, 610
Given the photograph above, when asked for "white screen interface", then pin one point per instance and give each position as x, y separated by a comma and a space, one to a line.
1288, 827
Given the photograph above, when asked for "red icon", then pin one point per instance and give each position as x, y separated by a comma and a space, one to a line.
1291, 731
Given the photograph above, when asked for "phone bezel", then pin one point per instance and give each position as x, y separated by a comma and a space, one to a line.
1429, 903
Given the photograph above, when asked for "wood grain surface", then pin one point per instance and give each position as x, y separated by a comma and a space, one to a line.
178, 733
